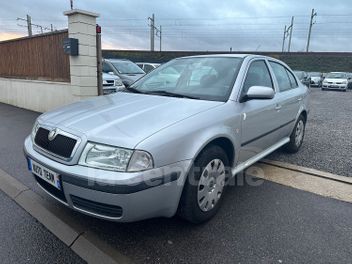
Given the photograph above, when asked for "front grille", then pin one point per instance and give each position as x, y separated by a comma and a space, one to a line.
51, 189
96, 208
109, 83
61, 145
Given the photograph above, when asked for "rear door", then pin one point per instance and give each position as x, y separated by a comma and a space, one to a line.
258, 116
289, 97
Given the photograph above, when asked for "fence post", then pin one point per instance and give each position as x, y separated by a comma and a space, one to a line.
83, 68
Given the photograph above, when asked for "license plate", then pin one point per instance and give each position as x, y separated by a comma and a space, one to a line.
44, 173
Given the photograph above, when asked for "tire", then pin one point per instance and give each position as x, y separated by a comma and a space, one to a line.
323, 89
212, 161
297, 136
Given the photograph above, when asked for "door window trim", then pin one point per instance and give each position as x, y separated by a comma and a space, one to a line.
287, 72
246, 73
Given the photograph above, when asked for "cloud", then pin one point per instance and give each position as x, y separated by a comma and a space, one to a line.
199, 24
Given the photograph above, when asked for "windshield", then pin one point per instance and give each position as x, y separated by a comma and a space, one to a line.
127, 67
336, 75
299, 74
315, 74
206, 78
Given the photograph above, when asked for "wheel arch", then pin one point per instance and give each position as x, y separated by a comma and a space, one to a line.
225, 143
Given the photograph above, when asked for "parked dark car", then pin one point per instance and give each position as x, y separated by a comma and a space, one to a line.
316, 79
349, 76
128, 71
303, 77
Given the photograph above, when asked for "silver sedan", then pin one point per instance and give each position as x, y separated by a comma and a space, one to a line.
171, 141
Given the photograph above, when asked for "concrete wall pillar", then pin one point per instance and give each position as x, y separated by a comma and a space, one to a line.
83, 68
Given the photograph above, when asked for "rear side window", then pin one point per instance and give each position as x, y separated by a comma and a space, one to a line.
293, 81
282, 76
257, 75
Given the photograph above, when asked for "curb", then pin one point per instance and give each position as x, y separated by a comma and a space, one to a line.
310, 171
324, 185
83, 243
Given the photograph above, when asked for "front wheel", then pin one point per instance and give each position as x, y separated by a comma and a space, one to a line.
297, 136
204, 187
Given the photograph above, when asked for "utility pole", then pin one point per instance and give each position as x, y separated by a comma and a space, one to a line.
283, 40
314, 14
291, 29
152, 28
99, 61
160, 38
29, 25
51, 28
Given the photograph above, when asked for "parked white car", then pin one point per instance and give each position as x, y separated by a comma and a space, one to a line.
336, 81
147, 66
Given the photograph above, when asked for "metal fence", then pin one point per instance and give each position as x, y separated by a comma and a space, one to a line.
39, 57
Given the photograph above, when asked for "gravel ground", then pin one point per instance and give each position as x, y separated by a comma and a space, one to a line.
327, 145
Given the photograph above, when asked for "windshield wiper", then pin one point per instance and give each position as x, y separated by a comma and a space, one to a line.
166, 93
133, 90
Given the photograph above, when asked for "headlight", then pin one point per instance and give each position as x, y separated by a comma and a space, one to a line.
344, 82
114, 158
34, 130
118, 82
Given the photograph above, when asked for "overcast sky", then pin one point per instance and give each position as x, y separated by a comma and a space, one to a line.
214, 25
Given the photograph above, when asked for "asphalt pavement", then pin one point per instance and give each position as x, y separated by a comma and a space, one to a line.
24, 240
269, 223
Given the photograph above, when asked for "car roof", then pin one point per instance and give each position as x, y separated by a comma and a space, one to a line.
226, 55
117, 60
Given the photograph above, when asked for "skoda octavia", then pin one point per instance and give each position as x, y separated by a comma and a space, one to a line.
169, 143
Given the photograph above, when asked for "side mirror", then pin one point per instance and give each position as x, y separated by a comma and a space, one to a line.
111, 73
259, 93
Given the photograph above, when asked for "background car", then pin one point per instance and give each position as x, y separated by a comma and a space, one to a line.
316, 79
349, 79
303, 77
128, 71
111, 83
336, 81
147, 66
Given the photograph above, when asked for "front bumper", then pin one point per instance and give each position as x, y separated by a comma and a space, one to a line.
334, 86
115, 196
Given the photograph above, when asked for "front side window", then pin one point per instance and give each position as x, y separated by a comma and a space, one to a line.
281, 75
257, 75
206, 78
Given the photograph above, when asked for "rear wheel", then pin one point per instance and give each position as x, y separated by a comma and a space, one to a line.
297, 136
204, 187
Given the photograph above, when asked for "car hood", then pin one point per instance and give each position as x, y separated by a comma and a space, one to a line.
124, 119
335, 80
107, 76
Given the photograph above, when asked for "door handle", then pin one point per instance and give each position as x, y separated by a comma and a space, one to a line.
299, 99
278, 107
